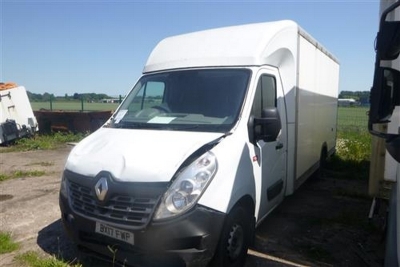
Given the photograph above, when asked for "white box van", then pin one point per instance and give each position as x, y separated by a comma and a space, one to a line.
16, 116
221, 126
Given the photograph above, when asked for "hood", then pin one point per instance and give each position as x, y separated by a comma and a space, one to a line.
135, 155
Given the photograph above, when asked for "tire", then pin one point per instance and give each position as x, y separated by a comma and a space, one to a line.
320, 172
235, 239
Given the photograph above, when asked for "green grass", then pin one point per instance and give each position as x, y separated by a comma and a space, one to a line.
353, 145
42, 163
21, 174
33, 259
341, 167
73, 105
350, 161
353, 119
44, 142
6, 243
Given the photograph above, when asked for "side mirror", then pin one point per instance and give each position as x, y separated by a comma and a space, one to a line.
268, 127
388, 38
392, 146
385, 95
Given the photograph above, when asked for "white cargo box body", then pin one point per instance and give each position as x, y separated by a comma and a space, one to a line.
317, 94
309, 74
16, 115
222, 125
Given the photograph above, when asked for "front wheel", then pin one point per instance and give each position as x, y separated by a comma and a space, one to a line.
234, 240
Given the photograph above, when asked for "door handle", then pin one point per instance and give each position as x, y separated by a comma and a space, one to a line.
279, 146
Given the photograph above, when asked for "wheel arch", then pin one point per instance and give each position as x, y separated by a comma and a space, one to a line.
247, 202
237, 214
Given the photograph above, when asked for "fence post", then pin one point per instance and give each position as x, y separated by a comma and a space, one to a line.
81, 103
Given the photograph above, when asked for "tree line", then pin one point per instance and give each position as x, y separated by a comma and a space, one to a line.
360, 96
87, 97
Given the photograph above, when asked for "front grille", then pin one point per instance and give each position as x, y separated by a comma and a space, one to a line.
126, 210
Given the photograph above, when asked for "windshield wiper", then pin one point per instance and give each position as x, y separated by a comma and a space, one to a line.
133, 125
185, 127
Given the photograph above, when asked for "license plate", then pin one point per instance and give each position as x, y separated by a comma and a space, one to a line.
115, 233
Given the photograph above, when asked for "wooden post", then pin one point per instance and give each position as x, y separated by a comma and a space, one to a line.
376, 185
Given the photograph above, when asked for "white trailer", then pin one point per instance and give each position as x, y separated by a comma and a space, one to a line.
221, 126
16, 116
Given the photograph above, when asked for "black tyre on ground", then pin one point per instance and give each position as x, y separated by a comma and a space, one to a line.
320, 172
235, 239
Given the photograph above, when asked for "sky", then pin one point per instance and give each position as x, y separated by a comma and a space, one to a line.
98, 46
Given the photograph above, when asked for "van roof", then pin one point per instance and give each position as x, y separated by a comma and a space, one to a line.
243, 45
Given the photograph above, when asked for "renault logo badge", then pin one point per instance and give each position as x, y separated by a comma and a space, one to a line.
101, 188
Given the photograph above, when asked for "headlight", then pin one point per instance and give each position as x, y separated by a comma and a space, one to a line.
63, 187
188, 186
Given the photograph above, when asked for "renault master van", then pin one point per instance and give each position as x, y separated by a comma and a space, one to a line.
223, 124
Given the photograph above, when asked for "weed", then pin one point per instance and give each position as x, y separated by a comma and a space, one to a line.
42, 163
352, 158
354, 146
44, 142
4, 177
21, 174
114, 252
6, 243
33, 259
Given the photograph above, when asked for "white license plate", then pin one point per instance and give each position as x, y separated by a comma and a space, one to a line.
115, 233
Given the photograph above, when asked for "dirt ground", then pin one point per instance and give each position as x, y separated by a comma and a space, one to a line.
325, 223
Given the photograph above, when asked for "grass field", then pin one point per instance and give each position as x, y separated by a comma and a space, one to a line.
353, 138
73, 105
353, 119
349, 118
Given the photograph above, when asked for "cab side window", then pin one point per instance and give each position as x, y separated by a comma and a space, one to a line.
265, 96
150, 94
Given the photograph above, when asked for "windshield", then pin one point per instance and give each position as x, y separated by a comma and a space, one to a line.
198, 100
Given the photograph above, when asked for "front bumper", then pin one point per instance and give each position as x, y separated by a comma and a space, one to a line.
189, 240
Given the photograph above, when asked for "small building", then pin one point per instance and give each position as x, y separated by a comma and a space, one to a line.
346, 102
110, 100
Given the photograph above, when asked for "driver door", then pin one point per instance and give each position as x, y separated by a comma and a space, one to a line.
272, 155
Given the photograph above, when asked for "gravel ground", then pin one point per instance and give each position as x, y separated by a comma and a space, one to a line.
325, 223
